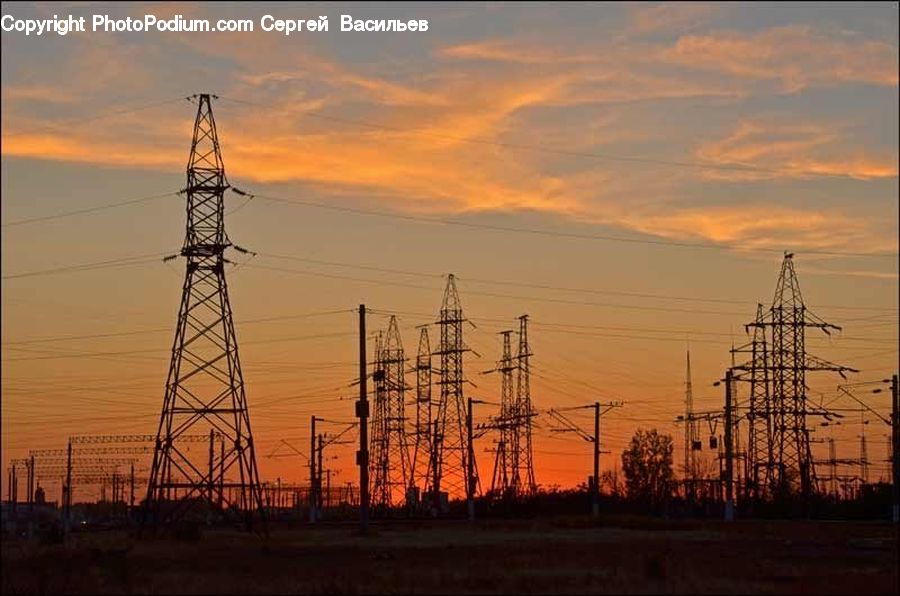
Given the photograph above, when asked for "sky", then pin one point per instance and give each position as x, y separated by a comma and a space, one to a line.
587, 149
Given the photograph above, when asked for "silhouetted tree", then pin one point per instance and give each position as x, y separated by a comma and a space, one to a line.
647, 465
610, 483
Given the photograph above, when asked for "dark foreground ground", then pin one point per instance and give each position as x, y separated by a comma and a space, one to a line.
545, 556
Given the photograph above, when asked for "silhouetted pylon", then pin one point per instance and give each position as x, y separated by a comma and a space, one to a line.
205, 386
390, 464
779, 395
421, 472
449, 453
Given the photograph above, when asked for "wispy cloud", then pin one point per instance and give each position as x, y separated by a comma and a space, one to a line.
671, 16
761, 225
792, 149
795, 56
412, 151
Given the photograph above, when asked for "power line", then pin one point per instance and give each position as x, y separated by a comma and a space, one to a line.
105, 114
629, 294
575, 235
125, 261
31, 220
544, 149
165, 329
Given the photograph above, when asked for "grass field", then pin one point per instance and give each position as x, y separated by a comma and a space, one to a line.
563, 555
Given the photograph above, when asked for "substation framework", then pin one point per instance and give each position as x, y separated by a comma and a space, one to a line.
779, 462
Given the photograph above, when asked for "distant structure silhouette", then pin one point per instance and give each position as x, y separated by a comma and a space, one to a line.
513, 475
390, 464
449, 463
422, 443
779, 452
205, 387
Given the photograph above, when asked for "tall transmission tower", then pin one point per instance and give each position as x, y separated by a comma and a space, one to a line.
449, 453
783, 368
378, 457
502, 478
514, 463
205, 386
391, 464
691, 434
760, 469
523, 456
422, 431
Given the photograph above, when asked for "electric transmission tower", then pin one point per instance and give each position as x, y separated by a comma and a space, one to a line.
205, 386
502, 478
390, 462
422, 432
513, 463
691, 434
449, 453
378, 462
523, 455
780, 441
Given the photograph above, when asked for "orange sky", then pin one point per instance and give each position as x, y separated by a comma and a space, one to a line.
756, 129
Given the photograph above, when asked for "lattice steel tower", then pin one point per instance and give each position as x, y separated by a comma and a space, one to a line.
449, 457
691, 433
379, 490
391, 468
523, 456
504, 470
421, 457
761, 478
205, 387
788, 453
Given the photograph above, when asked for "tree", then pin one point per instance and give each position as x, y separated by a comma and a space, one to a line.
647, 465
610, 483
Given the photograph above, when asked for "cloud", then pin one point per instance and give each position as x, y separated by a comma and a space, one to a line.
669, 17
796, 56
407, 142
39, 93
794, 150
760, 225
505, 50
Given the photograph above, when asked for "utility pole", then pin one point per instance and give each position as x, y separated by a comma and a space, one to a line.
31, 483
14, 488
319, 479
362, 412
312, 470
570, 426
68, 503
595, 488
131, 498
470, 458
729, 448
210, 474
895, 450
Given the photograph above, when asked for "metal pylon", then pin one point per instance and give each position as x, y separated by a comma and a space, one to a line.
391, 464
449, 457
205, 387
778, 370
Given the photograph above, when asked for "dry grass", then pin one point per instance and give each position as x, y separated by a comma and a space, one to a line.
563, 555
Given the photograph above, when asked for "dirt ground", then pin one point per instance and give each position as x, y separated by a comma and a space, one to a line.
564, 555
